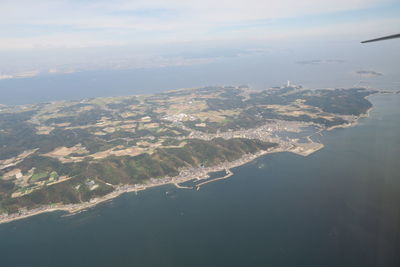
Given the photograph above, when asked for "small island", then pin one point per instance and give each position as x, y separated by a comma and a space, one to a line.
70, 155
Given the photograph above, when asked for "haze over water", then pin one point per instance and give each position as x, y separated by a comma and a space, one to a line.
310, 65
337, 207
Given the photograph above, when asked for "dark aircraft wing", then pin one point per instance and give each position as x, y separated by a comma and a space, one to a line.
382, 38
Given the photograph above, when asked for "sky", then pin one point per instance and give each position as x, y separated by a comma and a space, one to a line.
53, 37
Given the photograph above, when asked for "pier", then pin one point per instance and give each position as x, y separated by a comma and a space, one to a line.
229, 173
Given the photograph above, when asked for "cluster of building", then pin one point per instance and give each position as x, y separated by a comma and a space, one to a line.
265, 132
179, 117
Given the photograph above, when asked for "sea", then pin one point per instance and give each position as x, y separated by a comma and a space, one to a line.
340, 206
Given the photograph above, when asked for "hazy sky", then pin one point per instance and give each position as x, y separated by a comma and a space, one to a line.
56, 36
69, 49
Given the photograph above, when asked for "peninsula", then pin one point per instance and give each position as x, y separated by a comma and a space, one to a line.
70, 155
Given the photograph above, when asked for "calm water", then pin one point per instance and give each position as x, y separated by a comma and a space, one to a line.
337, 207
259, 71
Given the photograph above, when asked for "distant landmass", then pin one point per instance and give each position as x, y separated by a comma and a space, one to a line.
70, 155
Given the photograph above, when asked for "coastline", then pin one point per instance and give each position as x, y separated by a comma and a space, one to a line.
304, 149
203, 173
353, 122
